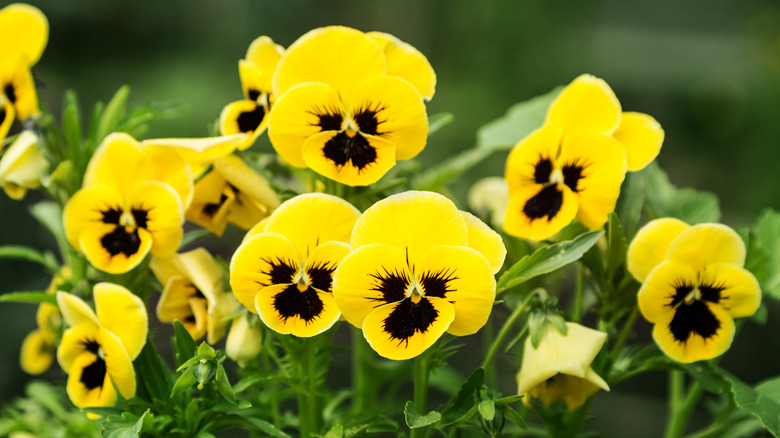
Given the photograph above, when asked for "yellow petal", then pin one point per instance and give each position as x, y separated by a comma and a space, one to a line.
355, 161
74, 310
243, 117
211, 202
223, 305
705, 244
124, 314
657, 295
705, 317
22, 165
261, 261
24, 32
593, 167
257, 229
196, 322
489, 198
118, 364
252, 191
244, 341
404, 330
196, 151
37, 352
390, 108
587, 104
115, 249
303, 111
335, 55
171, 169
7, 115
88, 208
74, 343
464, 278
642, 137
323, 262
287, 309
741, 294
48, 318
89, 384
485, 240
313, 219
406, 62
369, 277
175, 300
161, 210
531, 160
411, 221
120, 162
263, 56
537, 212
650, 244
17, 84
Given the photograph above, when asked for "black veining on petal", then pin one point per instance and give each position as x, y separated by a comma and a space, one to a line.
542, 170
111, 215
94, 375
343, 148
367, 119
10, 92
329, 118
392, 286
249, 121
321, 275
408, 318
572, 174
292, 302
437, 283
281, 271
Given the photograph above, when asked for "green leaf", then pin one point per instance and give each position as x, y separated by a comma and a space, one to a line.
438, 121
71, 128
29, 254
223, 385
193, 236
763, 407
547, 259
152, 373
514, 416
183, 344
616, 248
264, 426
519, 121
49, 214
185, 381
666, 200
416, 420
337, 431
206, 351
125, 426
465, 400
630, 203
437, 177
109, 120
508, 400
706, 375
487, 405
28, 297
768, 235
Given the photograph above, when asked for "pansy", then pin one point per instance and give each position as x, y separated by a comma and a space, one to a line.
250, 116
559, 367
193, 293
419, 267
284, 272
131, 203
693, 286
22, 165
98, 348
40, 344
339, 113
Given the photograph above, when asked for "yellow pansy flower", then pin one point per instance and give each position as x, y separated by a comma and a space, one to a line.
250, 116
339, 113
98, 348
22, 165
406, 62
693, 286
559, 368
39, 345
419, 267
284, 273
193, 293
18, 88
131, 203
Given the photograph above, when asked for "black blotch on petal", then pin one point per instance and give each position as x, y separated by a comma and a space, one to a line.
367, 121
94, 374
282, 271
342, 149
572, 173
409, 318
693, 318
111, 215
10, 92
321, 276
542, 170
392, 285
140, 215
121, 241
211, 208
91, 345
711, 292
330, 119
291, 302
3, 115
545, 203
437, 284
253, 94
681, 290
248, 121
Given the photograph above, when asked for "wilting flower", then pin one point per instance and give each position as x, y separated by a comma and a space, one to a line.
284, 273
559, 368
131, 204
245, 339
193, 293
337, 110
418, 267
98, 349
22, 165
694, 285
250, 115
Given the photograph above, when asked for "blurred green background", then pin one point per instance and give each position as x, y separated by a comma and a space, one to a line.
708, 71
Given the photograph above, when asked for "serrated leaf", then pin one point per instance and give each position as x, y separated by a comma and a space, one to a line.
465, 398
125, 426
666, 200
28, 297
519, 121
763, 407
416, 420
547, 259
706, 375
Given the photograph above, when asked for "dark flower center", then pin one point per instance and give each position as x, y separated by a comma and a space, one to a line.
691, 313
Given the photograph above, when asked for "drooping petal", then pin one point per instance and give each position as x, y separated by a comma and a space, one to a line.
124, 314
531, 160
666, 286
264, 55
303, 111
705, 244
485, 240
118, 364
261, 261
75, 342
223, 306
650, 244
593, 166
175, 301
203, 271
255, 197
369, 277
22, 165
74, 310
37, 352
587, 104
335, 55
48, 318
356, 160
113, 248
406, 62
197, 152
537, 212
298, 310
642, 137
89, 384
211, 202
697, 332
390, 108
405, 329
18, 87
196, 322
738, 290
412, 221
313, 219
24, 32
463, 277
157, 208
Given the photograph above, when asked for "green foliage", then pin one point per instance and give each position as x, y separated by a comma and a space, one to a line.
760, 405
45, 412
417, 420
126, 425
29, 254
665, 200
28, 297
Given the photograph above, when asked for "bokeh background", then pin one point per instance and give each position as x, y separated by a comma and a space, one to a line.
708, 70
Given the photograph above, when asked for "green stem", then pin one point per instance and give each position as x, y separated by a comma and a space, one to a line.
508, 324
577, 311
420, 390
308, 415
681, 408
362, 384
271, 385
313, 390
626, 331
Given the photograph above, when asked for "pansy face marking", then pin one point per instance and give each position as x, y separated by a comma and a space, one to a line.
350, 146
691, 314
